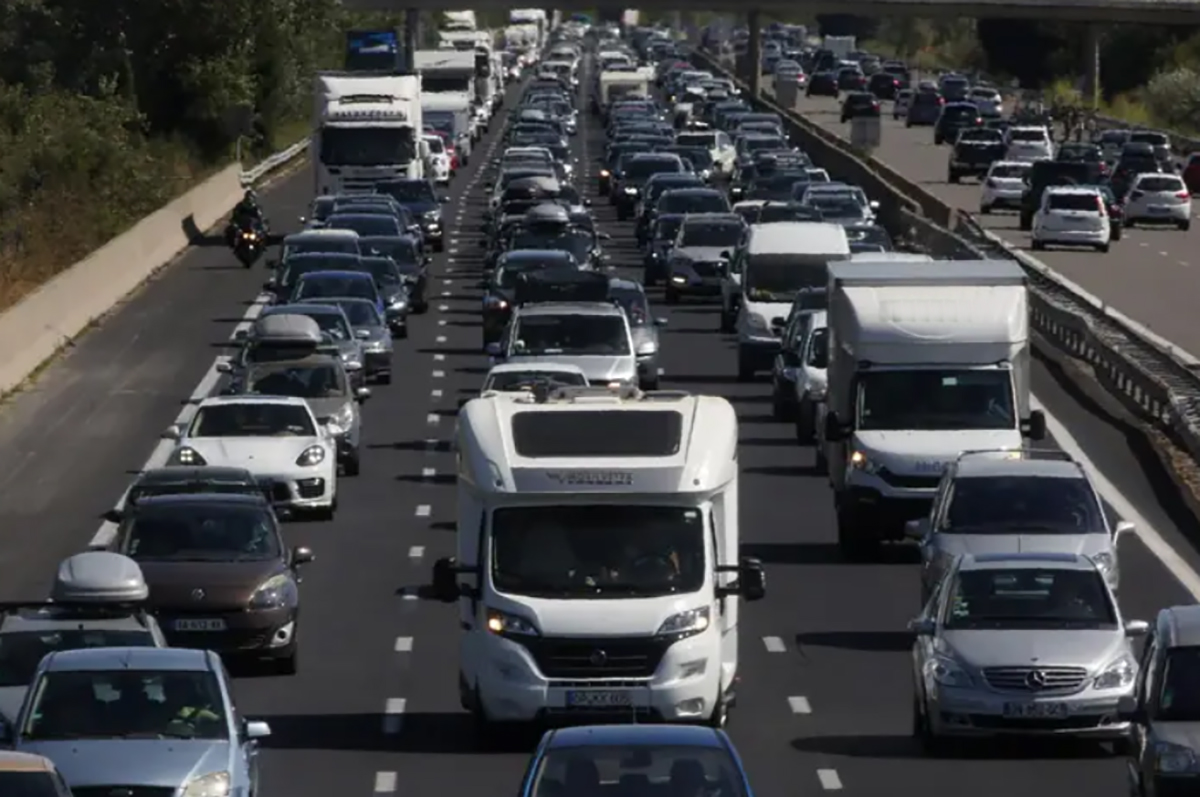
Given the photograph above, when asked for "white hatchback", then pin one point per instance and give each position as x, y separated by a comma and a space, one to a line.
988, 101
1028, 144
1004, 185
439, 159
1074, 216
1159, 199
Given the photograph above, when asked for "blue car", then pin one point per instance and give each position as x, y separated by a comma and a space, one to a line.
626, 759
338, 285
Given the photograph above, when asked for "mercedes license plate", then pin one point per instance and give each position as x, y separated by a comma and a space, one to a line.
1035, 710
216, 624
599, 698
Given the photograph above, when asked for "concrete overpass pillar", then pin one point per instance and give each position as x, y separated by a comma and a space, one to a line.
754, 52
412, 38
1091, 66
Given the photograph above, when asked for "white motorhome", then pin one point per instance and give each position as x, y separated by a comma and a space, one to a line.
535, 22
458, 20
778, 259
926, 360
616, 83
597, 569
366, 130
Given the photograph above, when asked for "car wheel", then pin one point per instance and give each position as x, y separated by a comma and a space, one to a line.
439, 246
353, 464
1185, 225
289, 664
1102, 248
401, 333
985, 209
804, 422
671, 297
385, 378
1037, 245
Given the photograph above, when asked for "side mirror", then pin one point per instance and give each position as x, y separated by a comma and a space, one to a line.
362, 334
172, 432
752, 579
269, 285
302, 555
493, 350
445, 580
660, 322
113, 516
834, 432
362, 394
238, 334
922, 626
1130, 709
1123, 527
916, 529
1035, 427
256, 729
224, 367
1136, 628
777, 324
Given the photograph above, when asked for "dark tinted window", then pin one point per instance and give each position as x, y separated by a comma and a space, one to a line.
22, 651
1180, 698
644, 167
1030, 597
1025, 504
652, 433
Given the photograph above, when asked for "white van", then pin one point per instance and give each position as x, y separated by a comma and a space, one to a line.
778, 260
597, 573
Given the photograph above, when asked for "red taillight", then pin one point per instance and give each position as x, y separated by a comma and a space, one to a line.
941, 100
1183, 195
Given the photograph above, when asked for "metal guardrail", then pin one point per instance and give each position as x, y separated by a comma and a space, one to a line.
267, 165
1154, 379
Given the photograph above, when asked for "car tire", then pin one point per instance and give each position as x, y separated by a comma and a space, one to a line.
1037, 245
289, 664
985, 209
439, 246
353, 464
671, 296
745, 370
385, 378
805, 430
1102, 248
1184, 226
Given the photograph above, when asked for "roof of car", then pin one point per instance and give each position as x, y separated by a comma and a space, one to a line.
993, 464
247, 398
143, 658
571, 308
304, 308
611, 735
186, 473
338, 273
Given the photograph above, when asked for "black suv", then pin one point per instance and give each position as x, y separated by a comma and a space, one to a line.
955, 116
1045, 174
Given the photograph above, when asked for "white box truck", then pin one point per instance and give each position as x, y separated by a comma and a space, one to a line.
366, 130
926, 360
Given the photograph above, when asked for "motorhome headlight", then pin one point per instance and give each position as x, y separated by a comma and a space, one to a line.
1116, 675
189, 456
506, 624
275, 593
685, 624
647, 347
1172, 758
313, 455
860, 461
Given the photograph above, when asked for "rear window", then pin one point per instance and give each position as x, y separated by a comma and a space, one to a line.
1154, 139
1160, 184
1037, 136
1075, 202
613, 433
959, 112
1010, 170
926, 98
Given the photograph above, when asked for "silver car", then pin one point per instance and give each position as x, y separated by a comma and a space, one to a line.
1023, 644
594, 336
373, 334
704, 244
131, 720
998, 502
631, 296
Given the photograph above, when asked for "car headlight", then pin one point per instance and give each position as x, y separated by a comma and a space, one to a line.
946, 672
684, 624
214, 784
313, 455
1104, 561
344, 417
276, 593
860, 461
375, 346
189, 456
648, 347
629, 189
398, 303
503, 623
1116, 675
434, 215
1173, 758
605, 173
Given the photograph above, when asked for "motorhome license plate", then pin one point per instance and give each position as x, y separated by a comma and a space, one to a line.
599, 698
1035, 710
200, 625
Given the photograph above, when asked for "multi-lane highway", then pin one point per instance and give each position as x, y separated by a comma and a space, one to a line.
825, 694
1150, 276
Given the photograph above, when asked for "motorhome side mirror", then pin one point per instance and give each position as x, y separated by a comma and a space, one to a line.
834, 432
1035, 427
752, 579
1130, 709
1122, 528
363, 334
1136, 628
362, 394
113, 516
915, 529
302, 555
445, 580
493, 350
922, 626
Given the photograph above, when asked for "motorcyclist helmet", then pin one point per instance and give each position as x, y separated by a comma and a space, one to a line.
250, 198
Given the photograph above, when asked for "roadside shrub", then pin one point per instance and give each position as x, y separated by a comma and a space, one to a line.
1173, 99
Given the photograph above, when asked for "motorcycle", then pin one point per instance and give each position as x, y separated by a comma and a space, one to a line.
248, 245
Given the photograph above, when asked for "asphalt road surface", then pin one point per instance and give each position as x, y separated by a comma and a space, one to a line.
825, 693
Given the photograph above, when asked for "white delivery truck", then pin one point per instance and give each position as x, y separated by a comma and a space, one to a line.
617, 83
762, 278
840, 46
451, 73
535, 20
366, 130
597, 571
449, 113
458, 20
926, 360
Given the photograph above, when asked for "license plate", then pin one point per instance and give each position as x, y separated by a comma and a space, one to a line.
599, 698
1035, 710
1159, 209
216, 624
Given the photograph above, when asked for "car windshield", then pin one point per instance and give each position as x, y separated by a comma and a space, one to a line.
309, 263
1160, 185
252, 419
300, 381
384, 270
601, 551
127, 704
1028, 136
778, 277
705, 140
787, 211
1022, 504
935, 399
509, 273
699, 202
634, 303
405, 191
572, 335
200, 533
321, 287
521, 380
600, 771
301, 245
756, 144
712, 234
332, 324
403, 251
361, 314
1012, 171
644, 167
1179, 700
21, 651
1029, 598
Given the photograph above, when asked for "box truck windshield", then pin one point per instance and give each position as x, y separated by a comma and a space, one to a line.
366, 146
936, 398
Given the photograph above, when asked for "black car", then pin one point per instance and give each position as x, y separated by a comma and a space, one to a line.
1045, 174
974, 153
653, 190
425, 205
500, 290
884, 86
633, 176
658, 247
850, 79
610, 162
868, 238
822, 84
955, 116
293, 268
784, 211
859, 103
413, 265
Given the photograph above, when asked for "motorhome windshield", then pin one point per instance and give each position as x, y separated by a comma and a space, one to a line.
949, 398
433, 84
599, 551
366, 146
778, 277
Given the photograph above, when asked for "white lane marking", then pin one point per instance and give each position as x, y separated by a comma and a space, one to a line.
428, 473
441, 339
404, 644
416, 552
439, 374
447, 294
799, 705
661, 371
424, 510
441, 322
1150, 536
774, 644
829, 779
393, 715
433, 418
437, 394
385, 782
162, 450
443, 307
439, 358
454, 251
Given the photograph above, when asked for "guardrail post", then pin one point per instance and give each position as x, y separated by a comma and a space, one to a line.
412, 38
1091, 65
754, 53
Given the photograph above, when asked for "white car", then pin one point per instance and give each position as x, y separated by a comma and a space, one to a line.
1159, 199
508, 377
1028, 144
277, 438
1004, 185
988, 101
900, 106
1072, 216
439, 160
812, 378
